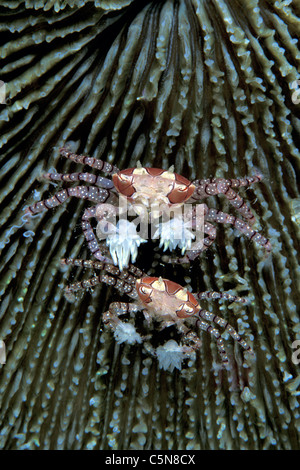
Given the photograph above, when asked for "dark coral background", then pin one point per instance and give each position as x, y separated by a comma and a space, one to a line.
211, 87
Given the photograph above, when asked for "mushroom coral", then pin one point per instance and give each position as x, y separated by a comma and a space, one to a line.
210, 86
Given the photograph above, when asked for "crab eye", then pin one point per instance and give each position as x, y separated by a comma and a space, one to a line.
184, 311
145, 290
181, 193
125, 178
188, 309
123, 184
181, 187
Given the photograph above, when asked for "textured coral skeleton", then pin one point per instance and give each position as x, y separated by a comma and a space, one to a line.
213, 81
152, 192
162, 301
2, 352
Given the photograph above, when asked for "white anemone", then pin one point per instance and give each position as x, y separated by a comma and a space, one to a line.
175, 233
124, 243
170, 355
126, 333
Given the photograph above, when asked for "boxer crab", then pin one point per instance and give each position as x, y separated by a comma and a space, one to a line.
150, 193
160, 300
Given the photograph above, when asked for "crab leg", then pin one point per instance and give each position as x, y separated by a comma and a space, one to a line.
214, 215
189, 338
205, 315
211, 187
217, 335
90, 161
90, 193
89, 213
87, 177
220, 217
121, 285
117, 309
211, 231
219, 295
234, 183
110, 268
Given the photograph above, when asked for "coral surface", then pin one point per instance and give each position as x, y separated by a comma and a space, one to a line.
210, 86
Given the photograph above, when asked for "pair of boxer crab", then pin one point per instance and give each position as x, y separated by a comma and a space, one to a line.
159, 196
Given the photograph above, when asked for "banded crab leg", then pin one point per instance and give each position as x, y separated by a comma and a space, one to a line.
91, 193
202, 245
96, 163
193, 342
110, 268
205, 316
99, 212
124, 281
212, 187
99, 194
95, 180
119, 284
212, 295
208, 316
214, 215
190, 339
203, 325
